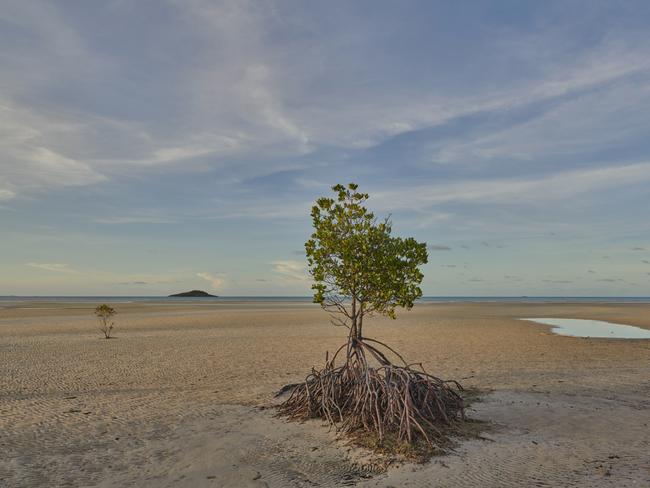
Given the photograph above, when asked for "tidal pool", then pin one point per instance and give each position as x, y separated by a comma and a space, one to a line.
593, 328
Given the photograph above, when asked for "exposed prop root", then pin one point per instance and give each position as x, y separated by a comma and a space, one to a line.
368, 393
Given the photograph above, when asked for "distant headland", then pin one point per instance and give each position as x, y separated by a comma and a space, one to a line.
193, 293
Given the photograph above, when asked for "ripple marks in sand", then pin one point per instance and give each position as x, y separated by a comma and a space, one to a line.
543, 441
300, 467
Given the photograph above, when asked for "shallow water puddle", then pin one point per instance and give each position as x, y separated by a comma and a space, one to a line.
593, 328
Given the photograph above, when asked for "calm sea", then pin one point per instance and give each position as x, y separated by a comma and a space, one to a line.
131, 299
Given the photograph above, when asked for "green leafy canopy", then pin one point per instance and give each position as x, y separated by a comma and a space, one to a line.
353, 259
104, 311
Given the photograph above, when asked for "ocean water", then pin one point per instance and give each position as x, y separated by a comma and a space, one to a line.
308, 299
593, 328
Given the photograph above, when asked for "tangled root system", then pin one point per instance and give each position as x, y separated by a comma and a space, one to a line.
368, 394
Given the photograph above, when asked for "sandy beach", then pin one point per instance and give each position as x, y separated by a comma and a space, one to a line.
174, 399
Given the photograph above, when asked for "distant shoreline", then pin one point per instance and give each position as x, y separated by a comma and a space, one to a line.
308, 299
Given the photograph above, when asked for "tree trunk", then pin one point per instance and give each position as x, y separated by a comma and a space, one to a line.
354, 339
360, 324
353, 326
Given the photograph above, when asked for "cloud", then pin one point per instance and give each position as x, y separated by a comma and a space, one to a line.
438, 247
47, 143
558, 281
611, 280
6, 194
269, 80
567, 122
358, 123
560, 185
291, 271
215, 281
134, 220
57, 267
645, 261
639, 249
242, 109
430, 218
591, 271
33, 156
149, 280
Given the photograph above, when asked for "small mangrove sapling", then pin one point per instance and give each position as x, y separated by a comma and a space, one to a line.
105, 316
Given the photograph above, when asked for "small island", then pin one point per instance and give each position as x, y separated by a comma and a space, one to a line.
193, 293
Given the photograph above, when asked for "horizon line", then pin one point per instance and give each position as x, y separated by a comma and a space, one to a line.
309, 296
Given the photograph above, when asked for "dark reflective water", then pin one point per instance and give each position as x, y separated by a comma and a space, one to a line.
593, 328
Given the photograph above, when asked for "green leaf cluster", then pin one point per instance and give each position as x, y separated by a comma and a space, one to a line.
104, 311
357, 266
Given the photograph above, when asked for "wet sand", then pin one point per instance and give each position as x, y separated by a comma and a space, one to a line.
173, 399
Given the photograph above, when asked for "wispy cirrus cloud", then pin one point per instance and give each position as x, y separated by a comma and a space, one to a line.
560, 185
134, 219
257, 95
56, 267
216, 282
225, 120
438, 247
6, 194
291, 271
33, 156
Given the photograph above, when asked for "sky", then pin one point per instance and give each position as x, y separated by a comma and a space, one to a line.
153, 147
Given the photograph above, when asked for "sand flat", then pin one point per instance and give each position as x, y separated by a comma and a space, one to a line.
171, 401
